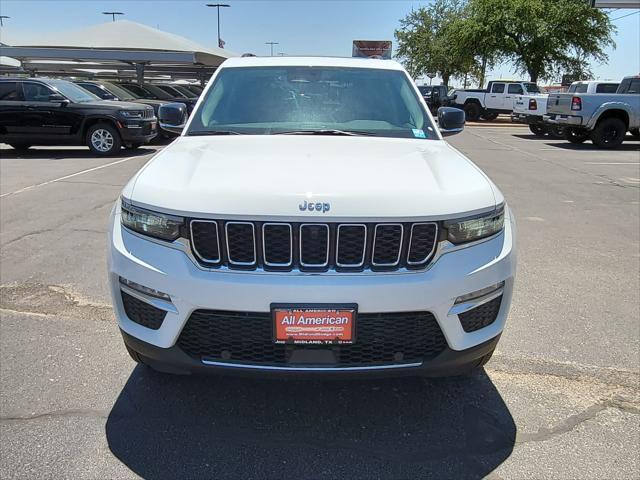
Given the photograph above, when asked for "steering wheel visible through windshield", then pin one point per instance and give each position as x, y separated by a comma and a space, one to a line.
301, 100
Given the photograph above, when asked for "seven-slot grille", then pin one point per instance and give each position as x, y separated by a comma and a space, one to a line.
313, 246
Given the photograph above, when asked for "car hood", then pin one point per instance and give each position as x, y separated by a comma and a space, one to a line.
148, 101
266, 176
114, 105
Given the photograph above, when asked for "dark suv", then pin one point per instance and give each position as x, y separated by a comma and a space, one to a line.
154, 92
435, 96
43, 111
110, 91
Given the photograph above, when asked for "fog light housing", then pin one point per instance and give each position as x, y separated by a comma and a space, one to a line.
144, 290
483, 292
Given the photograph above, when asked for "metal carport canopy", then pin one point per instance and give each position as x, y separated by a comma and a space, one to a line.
120, 45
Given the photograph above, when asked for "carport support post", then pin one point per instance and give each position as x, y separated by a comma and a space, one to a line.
140, 72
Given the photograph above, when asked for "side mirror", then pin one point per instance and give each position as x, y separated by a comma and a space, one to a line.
57, 98
108, 96
450, 120
172, 117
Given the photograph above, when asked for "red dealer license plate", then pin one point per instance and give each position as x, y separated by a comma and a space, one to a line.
314, 325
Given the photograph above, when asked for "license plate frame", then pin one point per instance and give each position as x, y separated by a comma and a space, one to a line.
349, 310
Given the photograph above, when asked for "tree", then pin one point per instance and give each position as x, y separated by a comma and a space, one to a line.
542, 37
428, 41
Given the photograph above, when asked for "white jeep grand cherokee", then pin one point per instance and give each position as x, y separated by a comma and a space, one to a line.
311, 218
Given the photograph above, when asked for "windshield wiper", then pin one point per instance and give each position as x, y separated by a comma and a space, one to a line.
213, 132
349, 133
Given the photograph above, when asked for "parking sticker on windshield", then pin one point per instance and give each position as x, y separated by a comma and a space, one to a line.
418, 133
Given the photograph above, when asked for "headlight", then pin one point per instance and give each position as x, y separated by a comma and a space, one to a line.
475, 228
153, 224
131, 113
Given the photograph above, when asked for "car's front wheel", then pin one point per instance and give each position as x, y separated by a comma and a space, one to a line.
103, 139
472, 111
575, 135
538, 130
556, 131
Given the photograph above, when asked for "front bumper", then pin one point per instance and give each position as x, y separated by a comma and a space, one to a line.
555, 119
172, 271
138, 131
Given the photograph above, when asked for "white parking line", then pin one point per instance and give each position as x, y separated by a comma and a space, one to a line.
612, 163
82, 172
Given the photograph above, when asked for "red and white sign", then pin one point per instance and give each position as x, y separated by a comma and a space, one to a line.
313, 326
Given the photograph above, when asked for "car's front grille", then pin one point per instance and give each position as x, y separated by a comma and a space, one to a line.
481, 316
141, 312
313, 246
245, 337
148, 113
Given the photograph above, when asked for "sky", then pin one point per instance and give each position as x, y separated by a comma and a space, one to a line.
299, 26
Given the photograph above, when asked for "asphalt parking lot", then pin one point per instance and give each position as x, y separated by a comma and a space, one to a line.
560, 399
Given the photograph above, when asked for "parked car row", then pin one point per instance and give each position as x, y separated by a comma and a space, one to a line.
530, 109
603, 118
104, 116
602, 111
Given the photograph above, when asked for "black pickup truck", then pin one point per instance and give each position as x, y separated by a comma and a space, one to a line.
43, 111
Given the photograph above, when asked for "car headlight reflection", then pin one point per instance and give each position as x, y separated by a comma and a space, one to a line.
475, 228
153, 224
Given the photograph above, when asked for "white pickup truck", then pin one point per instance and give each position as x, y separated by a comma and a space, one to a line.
603, 118
497, 98
530, 109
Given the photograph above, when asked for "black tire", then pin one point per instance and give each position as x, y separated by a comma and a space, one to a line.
472, 112
556, 131
609, 133
103, 139
635, 132
484, 360
538, 130
489, 116
134, 355
575, 135
20, 147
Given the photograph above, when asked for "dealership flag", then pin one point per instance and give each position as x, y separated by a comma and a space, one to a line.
221, 43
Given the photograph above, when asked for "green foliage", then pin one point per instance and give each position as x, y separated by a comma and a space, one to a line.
542, 38
429, 41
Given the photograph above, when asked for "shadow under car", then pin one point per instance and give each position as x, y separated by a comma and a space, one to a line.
166, 427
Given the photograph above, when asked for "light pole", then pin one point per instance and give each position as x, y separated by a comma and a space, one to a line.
2, 17
217, 6
272, 44
113, 15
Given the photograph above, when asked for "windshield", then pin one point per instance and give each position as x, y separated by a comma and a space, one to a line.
121, 93
532, 88
183, 90
170, 90
72, 91
156, 93
272, 100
